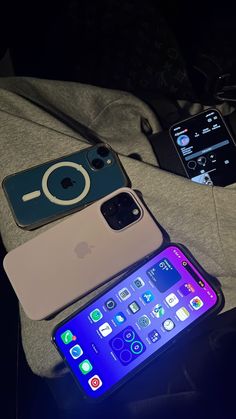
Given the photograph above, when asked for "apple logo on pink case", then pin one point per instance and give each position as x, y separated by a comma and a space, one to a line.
67, 182
83, 249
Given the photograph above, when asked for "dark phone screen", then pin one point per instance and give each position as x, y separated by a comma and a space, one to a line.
109, 338
206, 148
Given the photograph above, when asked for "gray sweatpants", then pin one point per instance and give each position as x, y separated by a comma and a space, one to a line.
201, 217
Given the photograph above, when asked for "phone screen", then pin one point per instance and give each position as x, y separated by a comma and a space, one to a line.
108, 339
206, 148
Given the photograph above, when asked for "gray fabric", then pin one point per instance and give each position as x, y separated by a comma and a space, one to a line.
201, 217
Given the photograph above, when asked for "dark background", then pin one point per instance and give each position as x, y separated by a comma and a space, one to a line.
144, 47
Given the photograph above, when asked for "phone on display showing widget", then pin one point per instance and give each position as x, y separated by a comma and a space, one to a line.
135, 320
56, 188
206, 148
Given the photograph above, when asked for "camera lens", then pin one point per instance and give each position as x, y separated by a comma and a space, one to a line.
97, 163
103, 151
125, 200
111, 209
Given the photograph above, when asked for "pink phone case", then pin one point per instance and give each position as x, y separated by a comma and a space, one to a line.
77, 255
